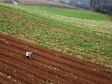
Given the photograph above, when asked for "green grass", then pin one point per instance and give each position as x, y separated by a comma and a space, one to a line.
84, 14
77, 38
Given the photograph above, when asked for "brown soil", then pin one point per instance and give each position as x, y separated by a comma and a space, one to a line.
62, 30
46, 66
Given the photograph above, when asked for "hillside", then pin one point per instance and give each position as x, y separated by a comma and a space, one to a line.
37, 2
83, 34
66, 43
103, 6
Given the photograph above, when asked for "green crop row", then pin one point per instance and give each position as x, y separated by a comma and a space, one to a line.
79, 29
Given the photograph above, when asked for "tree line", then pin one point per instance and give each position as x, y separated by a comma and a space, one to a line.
105, 6
102, 6
11, 1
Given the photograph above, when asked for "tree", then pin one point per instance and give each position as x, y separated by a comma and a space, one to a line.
8, 1
61, 1
72, 3
94, 2
18, 1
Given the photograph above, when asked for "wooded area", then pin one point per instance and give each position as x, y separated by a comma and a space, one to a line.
103, 6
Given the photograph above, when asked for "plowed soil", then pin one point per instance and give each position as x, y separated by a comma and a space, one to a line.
46, 66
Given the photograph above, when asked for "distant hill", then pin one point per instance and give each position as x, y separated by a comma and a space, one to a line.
105, 6
11, 1
45, 2
35, 2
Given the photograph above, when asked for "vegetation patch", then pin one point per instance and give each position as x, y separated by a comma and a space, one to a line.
60, 29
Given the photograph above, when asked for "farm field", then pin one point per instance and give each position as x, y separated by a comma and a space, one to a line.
47, 66
69, 45
80, 33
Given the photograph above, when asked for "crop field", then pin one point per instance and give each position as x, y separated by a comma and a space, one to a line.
66, 44
79, 33
46, 66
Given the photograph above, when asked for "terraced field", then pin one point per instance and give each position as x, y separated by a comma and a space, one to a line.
46, 66
67, 36
88, 37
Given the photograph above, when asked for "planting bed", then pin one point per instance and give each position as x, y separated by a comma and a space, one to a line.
46, 66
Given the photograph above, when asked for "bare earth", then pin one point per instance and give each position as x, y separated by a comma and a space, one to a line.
46, 66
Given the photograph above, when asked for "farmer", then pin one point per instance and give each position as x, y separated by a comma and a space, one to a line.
27, 55
30, 54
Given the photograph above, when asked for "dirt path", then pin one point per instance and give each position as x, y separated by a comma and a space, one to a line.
47, 66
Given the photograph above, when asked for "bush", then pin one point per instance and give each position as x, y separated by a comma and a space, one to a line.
8, 1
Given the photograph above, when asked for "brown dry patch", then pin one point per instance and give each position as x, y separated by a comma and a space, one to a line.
30, 41
109, 17
62, 30
12, 16
21, 36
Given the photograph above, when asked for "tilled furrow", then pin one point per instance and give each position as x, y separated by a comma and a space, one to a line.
5, 80
76, 71
4, 70
98, 76
13, 56
32, 63
57, 73
25, 69
63, 69
25, 76
66, 62
11, 75
43, 75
